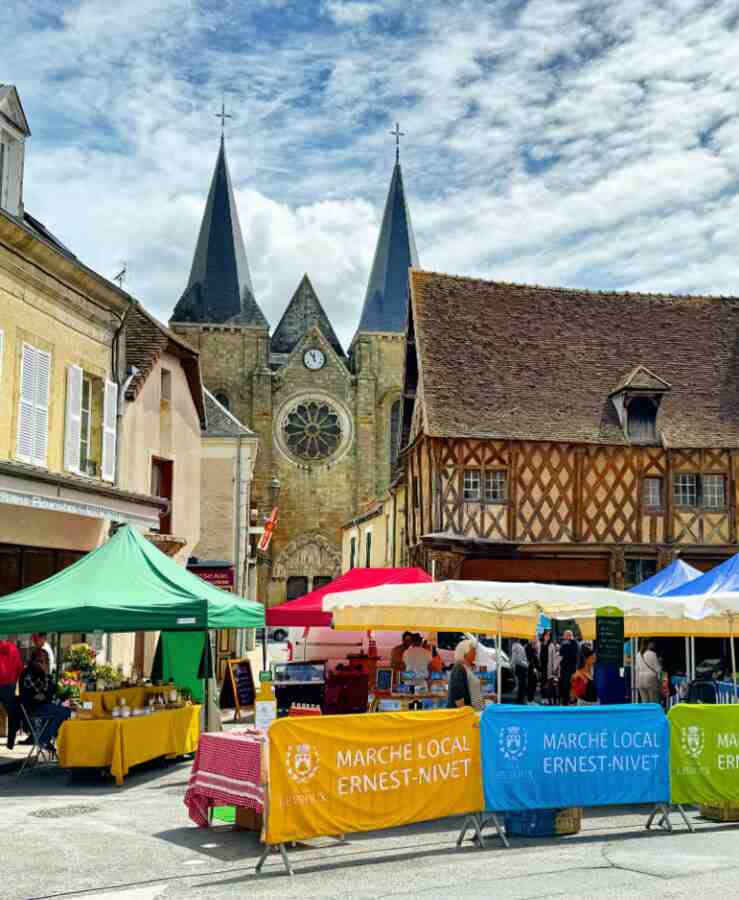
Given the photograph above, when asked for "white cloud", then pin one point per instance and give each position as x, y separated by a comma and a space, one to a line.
579, 142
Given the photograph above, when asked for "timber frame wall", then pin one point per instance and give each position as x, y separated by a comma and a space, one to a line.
566, 495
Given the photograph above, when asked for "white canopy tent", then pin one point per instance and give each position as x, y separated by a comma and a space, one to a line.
487, 607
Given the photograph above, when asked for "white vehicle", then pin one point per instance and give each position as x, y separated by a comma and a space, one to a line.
335, 646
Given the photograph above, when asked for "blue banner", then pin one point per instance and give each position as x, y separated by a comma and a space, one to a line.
536, 757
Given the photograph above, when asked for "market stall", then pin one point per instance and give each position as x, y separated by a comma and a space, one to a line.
126, 585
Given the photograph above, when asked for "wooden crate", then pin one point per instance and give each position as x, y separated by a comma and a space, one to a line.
247, 819
722, 812
569, 820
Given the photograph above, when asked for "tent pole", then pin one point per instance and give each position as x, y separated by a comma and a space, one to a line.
498, 666
634, 651
264, 647
733, 654
687, 658
692, 659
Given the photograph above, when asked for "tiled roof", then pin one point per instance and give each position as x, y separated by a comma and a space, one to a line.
221, 422
146, 340
220, 287
386, 301
303, 310
516, 361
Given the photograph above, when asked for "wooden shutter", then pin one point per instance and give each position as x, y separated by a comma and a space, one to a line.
41, 408
110, 414
73, 428
24, 450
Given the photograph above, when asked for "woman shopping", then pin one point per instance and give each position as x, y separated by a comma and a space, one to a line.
582, 688
464, 686
648, 669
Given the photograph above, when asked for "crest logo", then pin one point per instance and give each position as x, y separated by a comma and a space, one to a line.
512, 742
302, 762
693, 740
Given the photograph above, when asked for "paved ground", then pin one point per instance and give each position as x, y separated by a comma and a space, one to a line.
100, 842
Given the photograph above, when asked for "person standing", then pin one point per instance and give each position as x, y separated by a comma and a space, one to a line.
417, 658
545, 648
553, 674
11, 666
38, 695
396, 654
40, 641
532, 657
648, 668
582, 687
567, 665
520, 665
464, 686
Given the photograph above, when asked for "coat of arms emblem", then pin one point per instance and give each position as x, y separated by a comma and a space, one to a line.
302, 762
512, 742
693, 740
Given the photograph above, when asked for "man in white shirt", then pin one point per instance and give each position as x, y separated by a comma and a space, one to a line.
417, 658
40, 641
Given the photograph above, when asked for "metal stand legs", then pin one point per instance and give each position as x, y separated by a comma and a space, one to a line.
274, 848
664, 821
477, 822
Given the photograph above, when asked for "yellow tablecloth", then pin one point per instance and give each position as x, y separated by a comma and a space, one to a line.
104, 701
118, 744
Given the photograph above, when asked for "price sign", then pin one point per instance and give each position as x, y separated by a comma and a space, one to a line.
609, 636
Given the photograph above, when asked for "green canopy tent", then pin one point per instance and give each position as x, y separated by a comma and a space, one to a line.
125, 585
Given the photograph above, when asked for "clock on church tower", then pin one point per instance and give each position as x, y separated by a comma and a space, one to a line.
314, 359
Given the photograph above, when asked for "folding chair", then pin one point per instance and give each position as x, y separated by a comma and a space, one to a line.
40, 752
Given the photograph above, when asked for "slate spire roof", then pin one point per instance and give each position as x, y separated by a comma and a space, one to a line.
303, 310
220, 287
386, 300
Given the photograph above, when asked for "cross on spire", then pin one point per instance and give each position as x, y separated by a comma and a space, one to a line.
223, 115
397, 134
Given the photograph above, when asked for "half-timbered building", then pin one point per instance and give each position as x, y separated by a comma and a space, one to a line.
568, 436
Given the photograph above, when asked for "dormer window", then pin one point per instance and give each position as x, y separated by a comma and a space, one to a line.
641, 416
637, 401
13, 132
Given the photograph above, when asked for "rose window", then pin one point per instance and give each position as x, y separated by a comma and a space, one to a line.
312, 430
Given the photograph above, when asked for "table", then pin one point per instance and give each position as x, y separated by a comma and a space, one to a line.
104, 701
118, 744
230, 769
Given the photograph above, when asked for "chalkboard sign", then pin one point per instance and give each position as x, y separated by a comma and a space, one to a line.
383, 679
238, 686
609, 636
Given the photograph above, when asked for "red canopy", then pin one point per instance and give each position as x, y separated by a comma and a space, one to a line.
308, 609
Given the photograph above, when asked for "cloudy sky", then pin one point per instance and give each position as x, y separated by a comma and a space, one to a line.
590, 143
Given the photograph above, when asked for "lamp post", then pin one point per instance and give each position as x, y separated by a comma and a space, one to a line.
274, 495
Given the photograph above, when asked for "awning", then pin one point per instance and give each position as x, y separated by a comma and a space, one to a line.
307, 611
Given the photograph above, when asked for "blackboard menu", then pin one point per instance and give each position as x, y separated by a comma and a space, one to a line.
609, 635
238, 685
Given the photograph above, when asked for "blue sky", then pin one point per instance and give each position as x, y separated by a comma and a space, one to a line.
580, 143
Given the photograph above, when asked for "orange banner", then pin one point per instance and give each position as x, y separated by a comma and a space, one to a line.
331, 775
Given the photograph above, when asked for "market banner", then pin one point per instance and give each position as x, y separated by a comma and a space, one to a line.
332, 775
552, 757
704, 753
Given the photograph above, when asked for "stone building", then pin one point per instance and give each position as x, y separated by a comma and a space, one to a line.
572, 436
327, 419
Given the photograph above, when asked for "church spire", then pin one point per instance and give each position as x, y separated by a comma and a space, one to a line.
220, 287
386, 300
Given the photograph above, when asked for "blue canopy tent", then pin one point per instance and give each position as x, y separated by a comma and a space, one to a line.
668, 579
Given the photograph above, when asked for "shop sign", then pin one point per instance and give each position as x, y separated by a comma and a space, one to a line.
73, 507
219, 576
550, 758
342, 774
704, 753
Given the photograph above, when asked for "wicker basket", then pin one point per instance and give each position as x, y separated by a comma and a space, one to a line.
725, 811
569, 820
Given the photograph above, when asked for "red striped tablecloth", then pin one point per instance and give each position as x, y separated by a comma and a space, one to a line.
226, 771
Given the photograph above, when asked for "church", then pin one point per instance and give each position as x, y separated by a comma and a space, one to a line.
328, 418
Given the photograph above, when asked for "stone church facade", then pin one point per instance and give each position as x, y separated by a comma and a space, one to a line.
328, 420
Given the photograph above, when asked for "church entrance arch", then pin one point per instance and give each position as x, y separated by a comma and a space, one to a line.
308, 562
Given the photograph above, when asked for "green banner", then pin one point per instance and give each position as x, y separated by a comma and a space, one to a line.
704, 753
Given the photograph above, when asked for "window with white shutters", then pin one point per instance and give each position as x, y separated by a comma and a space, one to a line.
74, 420
110, 412
33, 407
